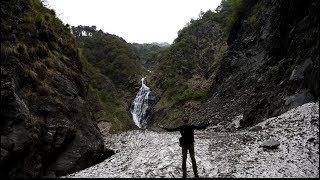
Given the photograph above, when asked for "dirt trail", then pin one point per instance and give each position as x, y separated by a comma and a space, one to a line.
219, 154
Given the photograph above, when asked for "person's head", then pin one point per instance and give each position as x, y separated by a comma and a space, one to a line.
185, 119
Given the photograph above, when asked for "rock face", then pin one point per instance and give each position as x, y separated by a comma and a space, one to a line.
46, 125
48, 134
272, 64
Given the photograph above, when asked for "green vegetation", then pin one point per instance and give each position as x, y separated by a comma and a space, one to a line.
254, 19
35, 39
191, 95
147, 54
37, 22
114, 71
38, 50
232, 18
181, 73
112, 55
46, 52
187, 68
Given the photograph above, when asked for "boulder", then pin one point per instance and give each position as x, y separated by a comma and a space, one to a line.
270, 144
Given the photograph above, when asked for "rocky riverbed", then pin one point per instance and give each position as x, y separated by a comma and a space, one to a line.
239, 154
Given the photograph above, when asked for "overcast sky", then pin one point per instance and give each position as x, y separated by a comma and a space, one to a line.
141, 21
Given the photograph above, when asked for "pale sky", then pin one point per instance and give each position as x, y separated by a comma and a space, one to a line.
140, 21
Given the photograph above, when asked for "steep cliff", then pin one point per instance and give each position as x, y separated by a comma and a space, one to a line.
46, 124
271, 66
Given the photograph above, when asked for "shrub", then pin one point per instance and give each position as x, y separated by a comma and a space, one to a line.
60, 66
23, 51
45, 90
7, 51
42, 51
30, 73
232, 18
252, 21
49, 62
257, 12
191, 95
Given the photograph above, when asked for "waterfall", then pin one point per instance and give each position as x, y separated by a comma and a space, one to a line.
142, 104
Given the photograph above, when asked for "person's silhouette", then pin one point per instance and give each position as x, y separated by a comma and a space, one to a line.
187, 143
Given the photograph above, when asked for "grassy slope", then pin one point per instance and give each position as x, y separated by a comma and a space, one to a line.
39, 42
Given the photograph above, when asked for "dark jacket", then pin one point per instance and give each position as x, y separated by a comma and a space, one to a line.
186, 131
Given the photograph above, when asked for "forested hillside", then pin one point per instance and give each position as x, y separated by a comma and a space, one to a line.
148, 54
114, 70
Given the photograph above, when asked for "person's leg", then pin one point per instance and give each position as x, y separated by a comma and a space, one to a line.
184, 160
193, 159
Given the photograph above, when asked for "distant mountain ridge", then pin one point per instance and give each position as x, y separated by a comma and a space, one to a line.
161, 44
148, 53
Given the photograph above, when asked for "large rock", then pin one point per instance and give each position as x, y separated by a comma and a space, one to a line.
270, 144
49, 135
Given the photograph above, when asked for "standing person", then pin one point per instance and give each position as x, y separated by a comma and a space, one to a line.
187, 143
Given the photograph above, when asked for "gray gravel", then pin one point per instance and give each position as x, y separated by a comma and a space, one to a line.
143, 153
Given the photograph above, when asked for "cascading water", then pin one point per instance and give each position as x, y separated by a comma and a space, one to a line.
142, 104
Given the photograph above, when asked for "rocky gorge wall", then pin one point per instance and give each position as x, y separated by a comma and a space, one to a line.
47, 129
272, 64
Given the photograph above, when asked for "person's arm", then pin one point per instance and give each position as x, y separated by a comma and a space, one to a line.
171, 129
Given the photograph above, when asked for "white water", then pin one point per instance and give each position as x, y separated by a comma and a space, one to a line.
140, 105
